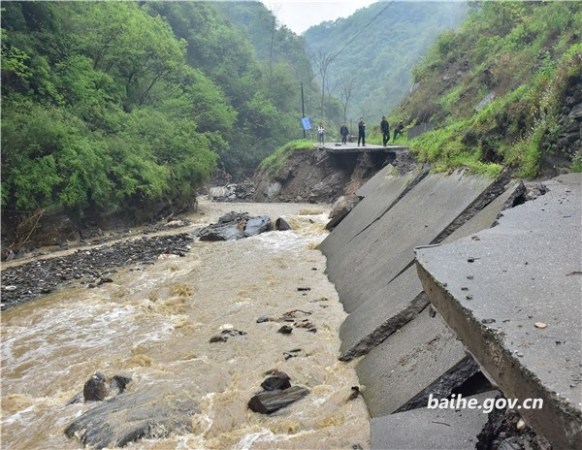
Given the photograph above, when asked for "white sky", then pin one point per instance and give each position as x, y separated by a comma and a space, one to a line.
299, 15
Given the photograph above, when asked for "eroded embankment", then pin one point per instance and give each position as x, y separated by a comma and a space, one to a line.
409, 353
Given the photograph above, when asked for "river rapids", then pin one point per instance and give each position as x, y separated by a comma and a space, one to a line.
155, 322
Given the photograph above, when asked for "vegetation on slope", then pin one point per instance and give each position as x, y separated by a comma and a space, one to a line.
129, 106
273, 163
503, 91
375, 50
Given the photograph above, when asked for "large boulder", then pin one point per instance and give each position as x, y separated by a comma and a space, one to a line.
340, 209
129, 417
222, 192
99, 387
277, 393
234, 226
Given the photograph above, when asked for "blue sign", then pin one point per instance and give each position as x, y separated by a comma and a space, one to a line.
306, 123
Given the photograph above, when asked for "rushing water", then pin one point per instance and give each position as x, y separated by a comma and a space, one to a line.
155, 323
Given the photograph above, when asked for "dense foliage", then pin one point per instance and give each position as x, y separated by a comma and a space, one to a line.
503, 90
127, 106
374, 51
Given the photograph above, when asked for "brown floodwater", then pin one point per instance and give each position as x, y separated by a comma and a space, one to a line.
154, 323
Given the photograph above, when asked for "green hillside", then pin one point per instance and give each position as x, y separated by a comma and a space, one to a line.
130, 107
375, 49
505, 90
284, 53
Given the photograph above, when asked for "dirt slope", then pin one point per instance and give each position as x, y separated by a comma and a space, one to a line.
319, 177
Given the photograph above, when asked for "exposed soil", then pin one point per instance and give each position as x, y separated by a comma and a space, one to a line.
505, 430
317, 176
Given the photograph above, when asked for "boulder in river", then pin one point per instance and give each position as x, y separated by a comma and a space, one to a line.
266, 402
145, 414
98, 388
277, 380
277, 393
340, 209
222, 192
235, 226
282, 225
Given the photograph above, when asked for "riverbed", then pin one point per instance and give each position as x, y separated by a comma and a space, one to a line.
155, 323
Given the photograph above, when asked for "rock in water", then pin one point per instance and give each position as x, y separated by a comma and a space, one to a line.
267, 402
119, 383
95, 389
234, 225
257, 225
277, 380
282, 225
340, 209
147, 414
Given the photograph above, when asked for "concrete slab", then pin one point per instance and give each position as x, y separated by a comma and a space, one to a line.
401, 300
485, 218
492, 289
390, 309
386, 176
407, 363
428, 429
385, 188
376, 254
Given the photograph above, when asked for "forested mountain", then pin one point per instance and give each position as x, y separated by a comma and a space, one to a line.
284, 54
504, 91
130, 106
368, 57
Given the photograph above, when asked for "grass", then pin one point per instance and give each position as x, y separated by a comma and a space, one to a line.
276, 160
528, 66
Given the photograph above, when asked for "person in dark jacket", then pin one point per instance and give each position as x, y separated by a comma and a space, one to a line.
361, 132
398, 129
344, 133
385, 128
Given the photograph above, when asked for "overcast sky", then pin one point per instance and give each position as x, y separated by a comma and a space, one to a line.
299, 15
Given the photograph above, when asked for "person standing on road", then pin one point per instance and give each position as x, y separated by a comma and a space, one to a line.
320, 133
385, 128
344, 133
361, 132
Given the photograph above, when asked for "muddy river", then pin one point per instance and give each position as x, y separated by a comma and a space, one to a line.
155, 322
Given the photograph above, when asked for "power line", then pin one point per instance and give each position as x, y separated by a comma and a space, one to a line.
363, 28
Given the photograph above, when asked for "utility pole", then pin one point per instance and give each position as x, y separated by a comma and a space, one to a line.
302, 109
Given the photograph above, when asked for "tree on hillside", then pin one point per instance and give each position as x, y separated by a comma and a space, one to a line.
324, 60
346, 89
101, 113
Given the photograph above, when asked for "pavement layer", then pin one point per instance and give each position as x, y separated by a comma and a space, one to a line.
428, 429
513, 295
402, 299
389, 175
387, 311
352, 147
